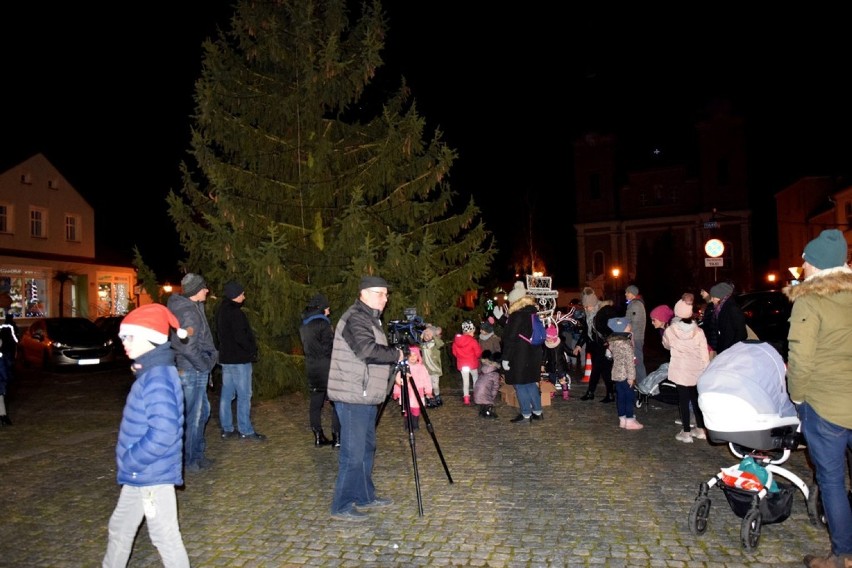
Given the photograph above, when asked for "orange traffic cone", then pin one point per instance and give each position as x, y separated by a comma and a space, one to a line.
587, 372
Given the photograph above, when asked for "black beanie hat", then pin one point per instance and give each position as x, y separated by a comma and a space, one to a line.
233, 289
318, 301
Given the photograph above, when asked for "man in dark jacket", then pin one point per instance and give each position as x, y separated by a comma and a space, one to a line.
196, 356
358, 381
237, 351
317, 342
521, 359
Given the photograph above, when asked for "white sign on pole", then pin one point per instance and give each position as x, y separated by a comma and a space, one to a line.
713, 262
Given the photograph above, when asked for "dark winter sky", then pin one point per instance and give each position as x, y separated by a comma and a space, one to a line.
106, 97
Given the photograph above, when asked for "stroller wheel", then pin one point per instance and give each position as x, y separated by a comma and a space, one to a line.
698, 515
750, 529
640, 400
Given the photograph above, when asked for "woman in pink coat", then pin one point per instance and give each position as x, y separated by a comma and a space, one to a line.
689, 357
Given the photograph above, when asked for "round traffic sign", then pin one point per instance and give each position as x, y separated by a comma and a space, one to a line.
714, 248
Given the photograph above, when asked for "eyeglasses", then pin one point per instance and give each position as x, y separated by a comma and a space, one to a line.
379, 293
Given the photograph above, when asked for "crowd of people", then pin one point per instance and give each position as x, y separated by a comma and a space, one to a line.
352, 366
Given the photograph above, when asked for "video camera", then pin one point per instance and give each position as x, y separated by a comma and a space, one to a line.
406, 332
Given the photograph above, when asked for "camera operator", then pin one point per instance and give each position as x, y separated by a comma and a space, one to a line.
358, 383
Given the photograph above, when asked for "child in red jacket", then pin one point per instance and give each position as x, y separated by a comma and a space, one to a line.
467, 351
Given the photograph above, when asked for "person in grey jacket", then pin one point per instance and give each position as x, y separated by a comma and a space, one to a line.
358, 381
196, 355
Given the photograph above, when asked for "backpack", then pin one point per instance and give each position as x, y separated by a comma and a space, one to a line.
538, 331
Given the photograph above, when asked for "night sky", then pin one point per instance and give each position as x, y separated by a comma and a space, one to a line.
106, 97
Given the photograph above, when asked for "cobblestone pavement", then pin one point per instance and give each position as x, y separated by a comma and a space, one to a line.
572, 490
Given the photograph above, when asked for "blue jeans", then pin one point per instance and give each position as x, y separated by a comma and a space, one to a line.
529, 399
197, 408
236, 382
354, 485
625, 399
827, 445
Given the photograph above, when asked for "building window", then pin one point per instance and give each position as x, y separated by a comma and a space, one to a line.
598, 263
72, 228
595, 186
4, 219
38, 222
12, 295
34, 293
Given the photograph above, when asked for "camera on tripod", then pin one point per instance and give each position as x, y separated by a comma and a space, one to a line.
403, 333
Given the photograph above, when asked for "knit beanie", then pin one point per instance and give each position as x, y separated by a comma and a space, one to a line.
632, 289
518, 292
828, 250
662, 313
318, 302
192, 284
151, 322
589, 298
486, 327
551, 336
683, 310
721, 290
467, 326
618, 325
233, 289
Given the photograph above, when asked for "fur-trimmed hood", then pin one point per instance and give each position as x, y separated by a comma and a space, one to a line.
523, 302
823, 283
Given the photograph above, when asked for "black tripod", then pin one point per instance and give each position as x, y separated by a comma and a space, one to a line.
405, 373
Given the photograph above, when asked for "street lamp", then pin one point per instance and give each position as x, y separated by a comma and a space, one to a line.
167, 288
616, 272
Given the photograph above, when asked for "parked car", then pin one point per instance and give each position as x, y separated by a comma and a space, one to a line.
65, 342
110, 326
767, 313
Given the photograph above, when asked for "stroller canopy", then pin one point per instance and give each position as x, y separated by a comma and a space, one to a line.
744, 389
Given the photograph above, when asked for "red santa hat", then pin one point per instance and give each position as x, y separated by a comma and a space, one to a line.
151, 322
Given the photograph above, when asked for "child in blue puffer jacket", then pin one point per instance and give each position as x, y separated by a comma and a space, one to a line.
149, 454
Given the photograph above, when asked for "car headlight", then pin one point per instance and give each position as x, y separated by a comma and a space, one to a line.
59, 345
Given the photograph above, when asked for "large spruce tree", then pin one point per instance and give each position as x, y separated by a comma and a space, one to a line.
302, 182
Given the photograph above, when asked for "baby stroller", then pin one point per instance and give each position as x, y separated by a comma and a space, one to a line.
743, 396
656, 384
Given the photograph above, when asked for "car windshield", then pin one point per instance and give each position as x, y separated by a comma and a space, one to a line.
73, 327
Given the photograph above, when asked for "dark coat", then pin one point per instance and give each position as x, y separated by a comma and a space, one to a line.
729, 325
317, 342
524, 359
237, 344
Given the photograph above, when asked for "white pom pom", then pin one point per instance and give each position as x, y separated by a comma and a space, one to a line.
181, 332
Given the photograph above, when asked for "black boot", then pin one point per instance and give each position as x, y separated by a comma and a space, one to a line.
437, 400
320, 439
608, 398
4, 420
588, 396
489, 412
335, 439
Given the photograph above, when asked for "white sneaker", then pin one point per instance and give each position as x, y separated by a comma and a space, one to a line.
684, 437
622, 421
698, 434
